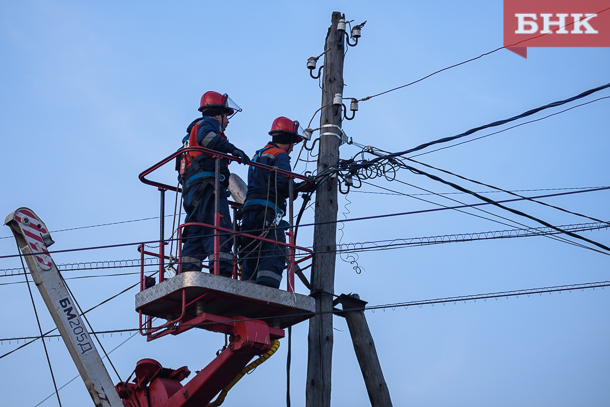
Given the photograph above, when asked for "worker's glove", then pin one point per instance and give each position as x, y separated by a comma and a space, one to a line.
301, 186
241, 155
283, 225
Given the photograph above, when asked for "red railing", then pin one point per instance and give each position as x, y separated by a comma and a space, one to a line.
291, 245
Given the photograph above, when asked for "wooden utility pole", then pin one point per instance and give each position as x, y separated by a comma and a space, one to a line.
364, 346
320, 339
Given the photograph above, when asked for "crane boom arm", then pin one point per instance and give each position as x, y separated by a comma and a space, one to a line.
33, 239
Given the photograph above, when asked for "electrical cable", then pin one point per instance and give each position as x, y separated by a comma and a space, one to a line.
288, 362
398, 243
558, 238
355, 247
92, 265
562, 239
469, 60
364, 99
478, 192
449, 208
360, 165
511, 127
406, 304
96, 226
77, 376
496, 295
54, 329
316, 112
499, 205
508, 192
83, 277
440, 209
351, 258
79, 249
343, 220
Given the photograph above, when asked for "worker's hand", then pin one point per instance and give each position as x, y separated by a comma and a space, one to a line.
302, 186
241, 155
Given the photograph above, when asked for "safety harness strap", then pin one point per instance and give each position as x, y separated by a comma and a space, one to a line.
191, 181
263, 202
198, 197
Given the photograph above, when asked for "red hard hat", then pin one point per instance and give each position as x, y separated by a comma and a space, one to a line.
283, 125
213, 104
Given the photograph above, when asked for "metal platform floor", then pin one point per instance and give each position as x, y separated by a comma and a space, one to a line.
208, 293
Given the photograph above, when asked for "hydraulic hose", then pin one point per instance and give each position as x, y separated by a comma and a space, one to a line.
275, 344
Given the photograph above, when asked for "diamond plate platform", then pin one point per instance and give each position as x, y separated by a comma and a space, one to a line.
225, 297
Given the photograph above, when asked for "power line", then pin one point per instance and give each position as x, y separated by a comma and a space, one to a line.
91, 265
502, 294
513, 222
429, 75
398, 243
442, 148
406, 304
478, 192
77, 376
415, 241
99, 225
558, 238
505, 191
356, 166
458, 207
46, 334
515, 211
511, 127
79, 249
82, 277
338, 221
468, 60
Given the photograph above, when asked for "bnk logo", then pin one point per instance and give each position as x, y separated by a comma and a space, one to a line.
558, 23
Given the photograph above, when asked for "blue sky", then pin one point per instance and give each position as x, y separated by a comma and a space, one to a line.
93, 93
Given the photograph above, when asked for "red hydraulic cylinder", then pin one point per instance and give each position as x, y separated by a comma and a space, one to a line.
160, 387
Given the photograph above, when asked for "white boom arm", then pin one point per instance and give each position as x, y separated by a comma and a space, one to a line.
33, 239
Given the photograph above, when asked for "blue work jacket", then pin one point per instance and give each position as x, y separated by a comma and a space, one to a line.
262, 185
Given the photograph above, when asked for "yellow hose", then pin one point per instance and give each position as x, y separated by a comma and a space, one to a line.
221, 397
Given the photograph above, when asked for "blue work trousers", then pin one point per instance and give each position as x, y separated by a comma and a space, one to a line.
263, 262
199, 240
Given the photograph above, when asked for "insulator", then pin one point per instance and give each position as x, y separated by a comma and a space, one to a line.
307, 133
356, 32
341, 25
338, 99
353, 106
311, 63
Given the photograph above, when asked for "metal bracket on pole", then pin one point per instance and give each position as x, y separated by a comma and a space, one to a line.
343, 137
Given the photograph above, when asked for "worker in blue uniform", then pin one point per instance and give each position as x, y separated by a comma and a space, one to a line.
197, 175
265, 205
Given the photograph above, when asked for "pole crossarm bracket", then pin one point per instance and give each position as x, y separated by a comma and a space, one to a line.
349, 303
